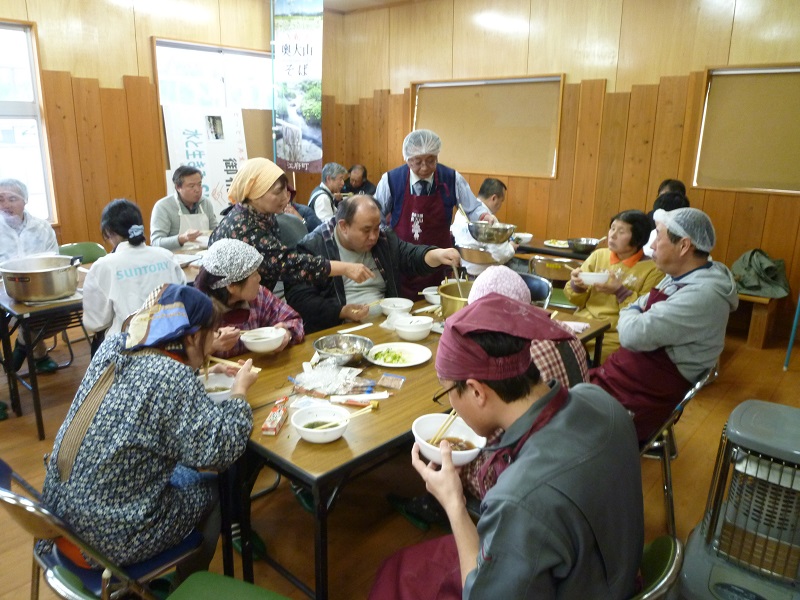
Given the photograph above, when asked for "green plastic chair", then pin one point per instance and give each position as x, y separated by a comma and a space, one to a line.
89, 251
660, 567
202, 585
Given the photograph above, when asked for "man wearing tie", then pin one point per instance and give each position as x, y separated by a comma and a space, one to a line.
418, 199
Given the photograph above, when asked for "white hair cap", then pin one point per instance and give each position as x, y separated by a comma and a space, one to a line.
421, 142
689, 223
233, 260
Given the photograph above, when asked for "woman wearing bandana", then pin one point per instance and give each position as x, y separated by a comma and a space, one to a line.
551, 526
229, 275
119, 283
124, 467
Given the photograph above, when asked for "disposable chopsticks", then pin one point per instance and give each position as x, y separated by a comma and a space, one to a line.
372, 406
443, 429
230, 363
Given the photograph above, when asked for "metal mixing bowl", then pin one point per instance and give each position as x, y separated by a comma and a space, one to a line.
488, 233
583, 245
343, 348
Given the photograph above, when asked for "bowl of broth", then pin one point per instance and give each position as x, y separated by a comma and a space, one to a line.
321, 424
465, 443
217, 385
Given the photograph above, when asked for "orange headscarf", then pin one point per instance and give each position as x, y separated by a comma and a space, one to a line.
254, 179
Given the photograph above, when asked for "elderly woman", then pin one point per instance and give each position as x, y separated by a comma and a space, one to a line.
123, 471
22, 234
631, 274
259, 191
229, 275
119, 283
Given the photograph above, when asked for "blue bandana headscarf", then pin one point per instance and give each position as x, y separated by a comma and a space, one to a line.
170, 312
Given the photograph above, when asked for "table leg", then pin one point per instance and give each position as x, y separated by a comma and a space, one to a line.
225, 503
29, 349
320, 544
13, 390
598, 350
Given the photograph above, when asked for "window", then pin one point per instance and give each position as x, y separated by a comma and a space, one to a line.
23, 149
750, 133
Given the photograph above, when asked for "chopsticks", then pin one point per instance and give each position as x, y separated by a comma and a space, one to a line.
443, 429
553, 314
373, 405
230, 363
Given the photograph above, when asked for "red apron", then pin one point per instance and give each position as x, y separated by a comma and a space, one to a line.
646, 383
423, 220
431, 570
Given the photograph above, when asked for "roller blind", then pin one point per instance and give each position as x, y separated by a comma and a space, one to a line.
503, 126
750, 137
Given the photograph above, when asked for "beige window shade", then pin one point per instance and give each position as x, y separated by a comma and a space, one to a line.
507, 126
750, 137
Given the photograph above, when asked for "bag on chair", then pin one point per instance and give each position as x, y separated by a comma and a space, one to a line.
759, 275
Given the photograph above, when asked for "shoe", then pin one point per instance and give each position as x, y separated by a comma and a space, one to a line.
256, 543
304, 497
46, 365
422, 511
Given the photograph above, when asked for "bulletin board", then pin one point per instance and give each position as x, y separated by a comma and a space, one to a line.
750, 135
495, 126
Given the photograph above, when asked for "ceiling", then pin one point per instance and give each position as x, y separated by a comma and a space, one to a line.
345, 6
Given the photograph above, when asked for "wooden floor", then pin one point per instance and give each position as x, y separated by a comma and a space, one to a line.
363, 528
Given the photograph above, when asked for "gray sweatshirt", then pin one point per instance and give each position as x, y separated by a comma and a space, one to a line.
690, 324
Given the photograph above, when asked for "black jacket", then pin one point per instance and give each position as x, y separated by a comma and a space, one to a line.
319, 305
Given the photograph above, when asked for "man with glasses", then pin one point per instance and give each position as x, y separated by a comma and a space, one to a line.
419, 197
553, 524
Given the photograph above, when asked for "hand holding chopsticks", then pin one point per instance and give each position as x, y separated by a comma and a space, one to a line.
230, 363
440, 433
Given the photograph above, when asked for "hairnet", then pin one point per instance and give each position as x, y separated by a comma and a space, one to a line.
689, 223
501, 280
420, 142
233, 260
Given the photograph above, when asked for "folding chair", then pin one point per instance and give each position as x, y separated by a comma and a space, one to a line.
662, 445
65, 577
661, 564
541, 288
555, 269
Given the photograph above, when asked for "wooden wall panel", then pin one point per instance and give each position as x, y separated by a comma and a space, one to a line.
380, 116
783, 215
353, 136
246, 24
396, 131
719, 207
587, 156
611, 159
146, 149
638, 146
558, 213
366, 54
692, 121
91, 146
501, 32
778, 18
329, 128
65, 156
749, 214
538, 208
367, 124
668, 132
117, 139
15, 9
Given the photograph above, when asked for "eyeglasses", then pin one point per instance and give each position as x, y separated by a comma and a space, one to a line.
438, 396
418, 161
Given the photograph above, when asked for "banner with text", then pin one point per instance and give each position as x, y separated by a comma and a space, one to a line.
298, 84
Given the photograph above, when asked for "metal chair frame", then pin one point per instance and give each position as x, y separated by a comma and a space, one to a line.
540, 287
662, 444
62, 578
661, 564
554, 269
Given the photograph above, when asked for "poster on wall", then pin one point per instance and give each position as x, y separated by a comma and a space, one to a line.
211, 140
298, 84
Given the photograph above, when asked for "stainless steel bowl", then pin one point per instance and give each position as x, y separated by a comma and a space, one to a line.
343, 348
476, 255
583, 245
40, 278
488, 233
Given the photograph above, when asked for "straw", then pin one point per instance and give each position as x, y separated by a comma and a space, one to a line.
373, 405
230, 363
443, 429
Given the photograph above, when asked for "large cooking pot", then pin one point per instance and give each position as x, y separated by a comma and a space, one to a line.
452, 300
40, 278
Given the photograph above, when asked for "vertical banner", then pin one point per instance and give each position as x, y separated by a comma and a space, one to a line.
297, 63
211, 140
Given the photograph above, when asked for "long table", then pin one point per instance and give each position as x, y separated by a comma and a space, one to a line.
35, 323
325, 469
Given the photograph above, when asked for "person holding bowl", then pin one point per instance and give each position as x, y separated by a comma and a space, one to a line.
631, 274
229, 276
259, 191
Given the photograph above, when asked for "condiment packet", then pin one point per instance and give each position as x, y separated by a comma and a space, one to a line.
390, 380
276, 418
305, 401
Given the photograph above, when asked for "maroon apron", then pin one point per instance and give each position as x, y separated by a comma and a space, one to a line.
646, 383
423, 220
431, 570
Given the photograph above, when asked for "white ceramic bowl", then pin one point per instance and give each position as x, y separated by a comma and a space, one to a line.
217, 380
522, 238
592, 278
412, 328
310, 414
426, 426
432, 295
263, 339
396, 305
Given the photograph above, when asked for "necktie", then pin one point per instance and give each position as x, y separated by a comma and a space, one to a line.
421, 187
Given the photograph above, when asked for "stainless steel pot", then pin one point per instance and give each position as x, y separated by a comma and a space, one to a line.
40, 278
